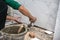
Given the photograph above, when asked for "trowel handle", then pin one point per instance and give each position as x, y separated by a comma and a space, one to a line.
20, 28
29, 25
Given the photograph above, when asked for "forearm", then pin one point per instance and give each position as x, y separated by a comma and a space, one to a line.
25, 12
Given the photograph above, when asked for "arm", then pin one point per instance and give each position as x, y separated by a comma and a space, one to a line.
25, 12
13, 19
21, 8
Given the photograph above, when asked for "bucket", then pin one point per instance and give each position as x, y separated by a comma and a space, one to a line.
1, 37
10, 33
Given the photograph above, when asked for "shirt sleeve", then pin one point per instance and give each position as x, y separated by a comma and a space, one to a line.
13, 4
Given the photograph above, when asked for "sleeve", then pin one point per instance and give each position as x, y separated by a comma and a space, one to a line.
13, 4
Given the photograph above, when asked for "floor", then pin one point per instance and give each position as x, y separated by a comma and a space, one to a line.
39, 34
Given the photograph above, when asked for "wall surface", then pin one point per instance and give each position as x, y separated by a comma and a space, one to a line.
44, 10
57, 27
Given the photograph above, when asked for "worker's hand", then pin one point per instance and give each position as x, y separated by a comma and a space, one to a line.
32, 19
16, 20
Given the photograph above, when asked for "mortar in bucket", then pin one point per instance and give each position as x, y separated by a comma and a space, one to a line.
10, 32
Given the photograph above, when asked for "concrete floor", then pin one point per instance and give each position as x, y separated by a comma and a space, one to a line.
39, 34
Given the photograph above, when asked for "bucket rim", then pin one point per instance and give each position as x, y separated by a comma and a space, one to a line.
14, 34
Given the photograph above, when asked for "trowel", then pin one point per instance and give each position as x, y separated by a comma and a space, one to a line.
20, 28
30, 25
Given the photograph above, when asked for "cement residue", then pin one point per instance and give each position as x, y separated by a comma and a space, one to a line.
12, 30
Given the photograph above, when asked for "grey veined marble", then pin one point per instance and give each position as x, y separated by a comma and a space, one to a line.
44, 10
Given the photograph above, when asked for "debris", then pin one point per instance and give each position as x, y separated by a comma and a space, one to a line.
48, 32
35, 38
32, 35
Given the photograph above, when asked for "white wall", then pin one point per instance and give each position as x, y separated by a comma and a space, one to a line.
44, 10
57, 27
